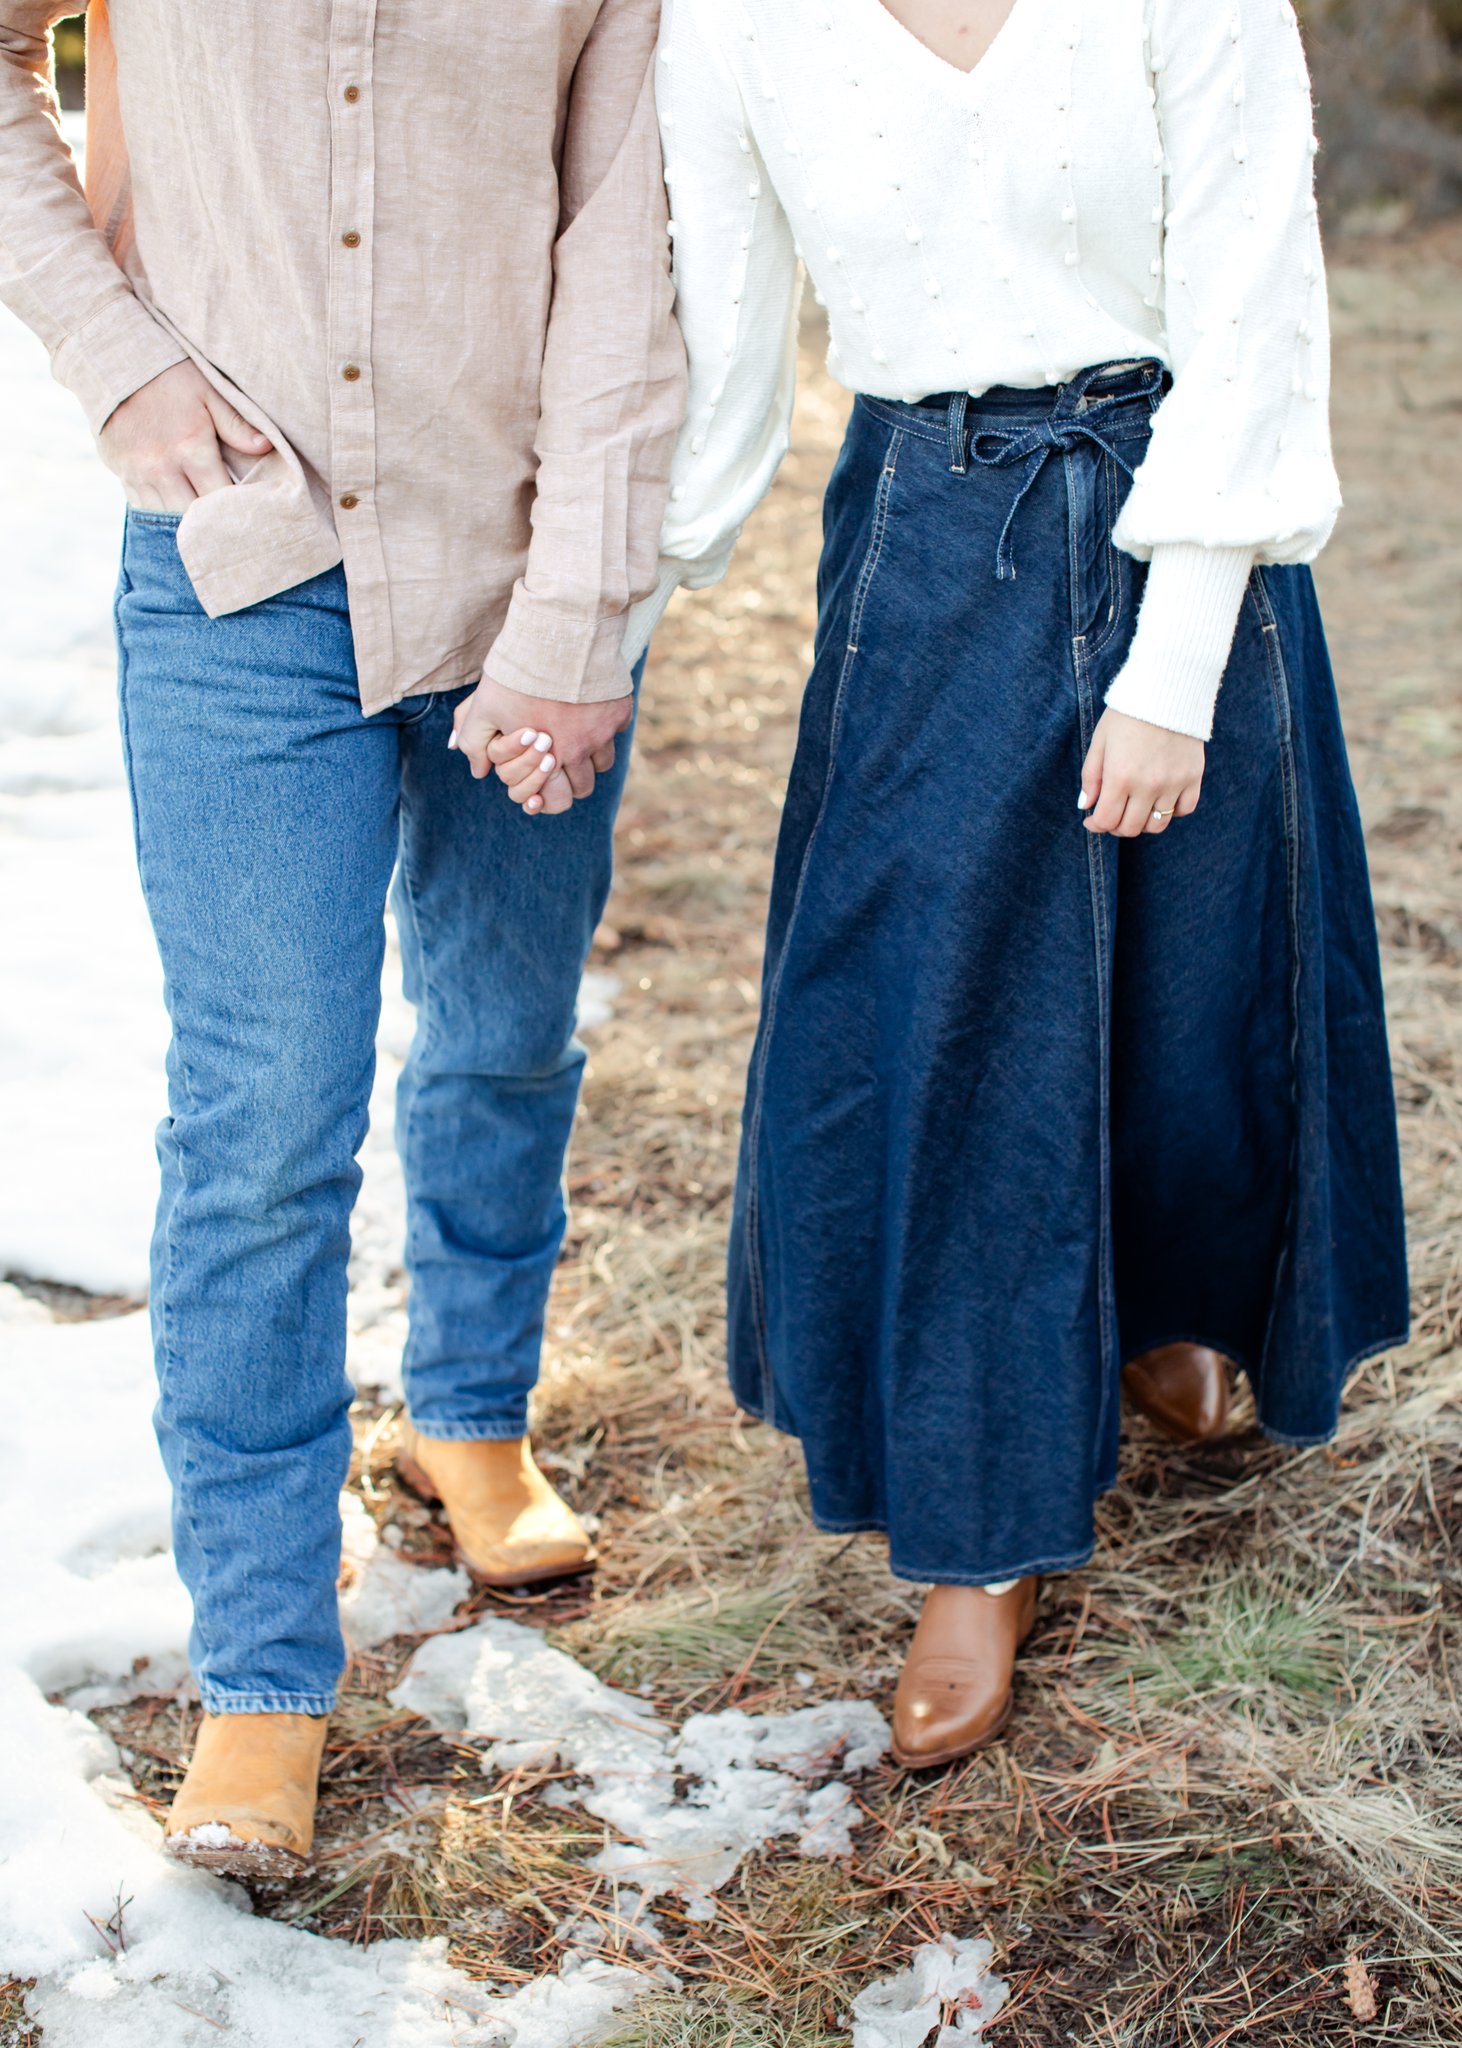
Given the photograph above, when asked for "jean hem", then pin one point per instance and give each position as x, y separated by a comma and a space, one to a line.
316, 1705
472, 1432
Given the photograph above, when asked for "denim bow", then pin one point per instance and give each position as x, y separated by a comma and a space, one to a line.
1034, 446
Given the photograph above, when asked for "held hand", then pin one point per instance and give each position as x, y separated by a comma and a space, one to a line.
582, 743
1138, 777
163, 441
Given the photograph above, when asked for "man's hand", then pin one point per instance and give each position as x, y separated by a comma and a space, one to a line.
581, 745
1138, 777
163, 441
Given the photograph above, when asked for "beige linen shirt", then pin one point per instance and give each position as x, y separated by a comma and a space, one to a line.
422, 245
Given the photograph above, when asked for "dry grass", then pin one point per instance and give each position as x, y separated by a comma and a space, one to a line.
1235, 1766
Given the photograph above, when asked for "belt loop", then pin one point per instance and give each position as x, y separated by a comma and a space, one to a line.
959, 406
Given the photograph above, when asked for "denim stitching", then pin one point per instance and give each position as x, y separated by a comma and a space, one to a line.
167, 1355
1096, 862
315, 1705
426, 1019
1258, 594
1117, 562
855, 623
911, 421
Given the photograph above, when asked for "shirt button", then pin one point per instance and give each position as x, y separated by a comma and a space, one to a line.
352, 93
351, 239
349, 502
350, 373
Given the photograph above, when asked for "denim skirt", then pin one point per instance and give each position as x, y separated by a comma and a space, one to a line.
1027, 1102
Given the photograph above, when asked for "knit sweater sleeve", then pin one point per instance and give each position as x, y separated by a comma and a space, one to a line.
1240, 467
737, 283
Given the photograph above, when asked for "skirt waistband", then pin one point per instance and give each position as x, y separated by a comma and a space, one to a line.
1124, 396
1098, 412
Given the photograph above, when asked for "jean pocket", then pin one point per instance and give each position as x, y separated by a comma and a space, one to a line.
138, 515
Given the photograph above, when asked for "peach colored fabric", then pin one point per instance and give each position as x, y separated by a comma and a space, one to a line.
424, 248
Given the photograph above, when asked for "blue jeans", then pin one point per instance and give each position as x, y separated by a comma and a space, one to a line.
270, 817
1027, 1102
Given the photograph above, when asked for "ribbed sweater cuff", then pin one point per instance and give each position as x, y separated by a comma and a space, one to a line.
700, 574
646, 615
1185, 634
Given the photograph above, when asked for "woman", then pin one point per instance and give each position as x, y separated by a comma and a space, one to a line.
1036, 1093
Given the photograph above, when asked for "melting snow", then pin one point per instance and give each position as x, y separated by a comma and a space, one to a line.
382, 1595
753, 1777
947, 1985
193, 1960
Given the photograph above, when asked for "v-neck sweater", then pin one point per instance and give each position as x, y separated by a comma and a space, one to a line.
1114, 180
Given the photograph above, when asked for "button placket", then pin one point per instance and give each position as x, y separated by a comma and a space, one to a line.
351, 297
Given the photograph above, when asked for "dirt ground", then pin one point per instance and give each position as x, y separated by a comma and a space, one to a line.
1230, 1806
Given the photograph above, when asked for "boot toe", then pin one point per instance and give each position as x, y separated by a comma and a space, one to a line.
246, 1806
955, 1693
939, 1717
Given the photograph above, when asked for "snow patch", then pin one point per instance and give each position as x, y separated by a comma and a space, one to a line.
947, 1985
191, 1959
92, 1597
383, 1596
754, 1777
210, 1834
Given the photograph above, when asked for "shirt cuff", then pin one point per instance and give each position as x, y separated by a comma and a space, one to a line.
544, 651
117, 351
1185, 634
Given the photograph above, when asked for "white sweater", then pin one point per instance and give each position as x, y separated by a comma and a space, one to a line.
1116, 179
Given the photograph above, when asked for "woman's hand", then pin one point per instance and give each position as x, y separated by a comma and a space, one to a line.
1138, 777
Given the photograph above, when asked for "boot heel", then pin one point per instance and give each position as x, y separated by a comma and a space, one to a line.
411, 1475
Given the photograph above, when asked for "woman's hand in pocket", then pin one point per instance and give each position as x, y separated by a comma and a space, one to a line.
1138, 777
166, 441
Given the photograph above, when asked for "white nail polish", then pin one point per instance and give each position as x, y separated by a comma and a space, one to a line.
1083, 802
452, 742
548, 762
543, 742
528, 737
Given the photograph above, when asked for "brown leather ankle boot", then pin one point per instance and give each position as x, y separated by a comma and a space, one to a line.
954, 1696
246, 1807
1183, 1389
512, 1528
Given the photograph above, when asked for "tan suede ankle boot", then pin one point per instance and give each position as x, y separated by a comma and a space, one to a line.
246, 1807
511, 1527
954, 1695
1183, 1388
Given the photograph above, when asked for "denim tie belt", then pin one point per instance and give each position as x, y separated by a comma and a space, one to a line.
1068, 426
1002, 448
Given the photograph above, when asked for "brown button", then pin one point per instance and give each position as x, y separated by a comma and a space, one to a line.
349, 502
350, 373
351, 239
352, 93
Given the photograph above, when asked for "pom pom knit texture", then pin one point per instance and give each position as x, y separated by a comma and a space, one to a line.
1116, 179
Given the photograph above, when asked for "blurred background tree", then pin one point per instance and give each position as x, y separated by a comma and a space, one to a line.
71, 59
1388, 78
1388, 82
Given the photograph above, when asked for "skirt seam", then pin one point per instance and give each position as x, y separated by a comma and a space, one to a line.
855, 624
1258, 596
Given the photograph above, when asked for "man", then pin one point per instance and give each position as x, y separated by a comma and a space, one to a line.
368, 302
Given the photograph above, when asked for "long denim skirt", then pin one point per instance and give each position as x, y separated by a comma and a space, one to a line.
1026, 1102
